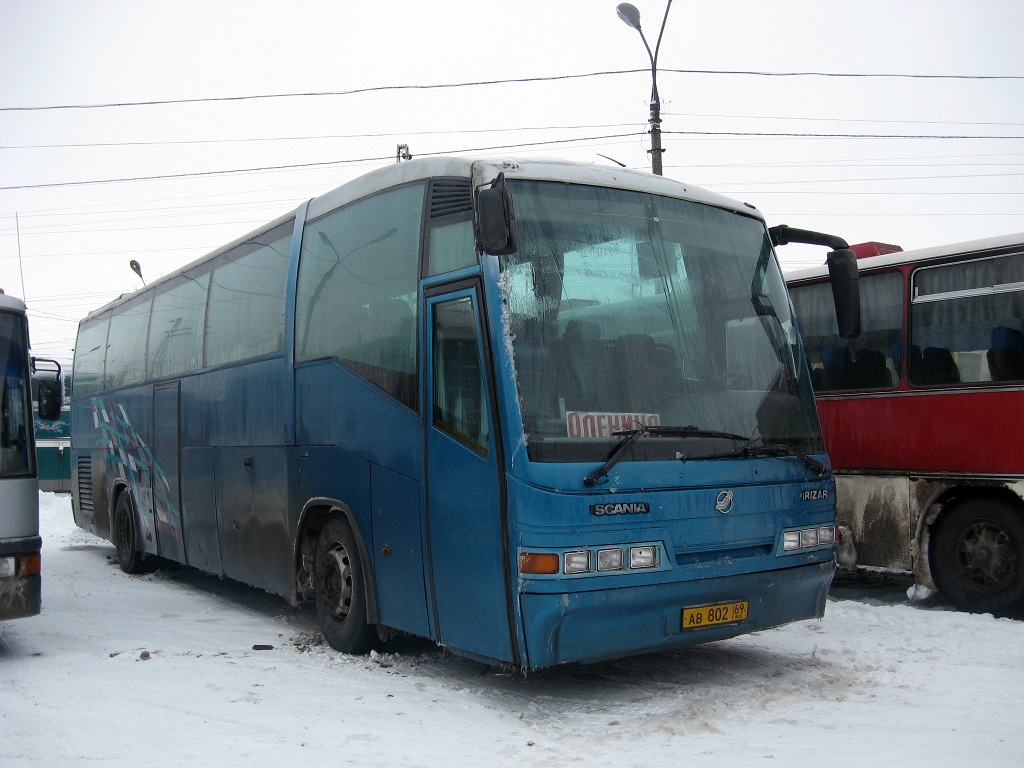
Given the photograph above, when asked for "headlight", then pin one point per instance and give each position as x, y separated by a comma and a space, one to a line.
609, 560
808, 538
643, 557
577, 562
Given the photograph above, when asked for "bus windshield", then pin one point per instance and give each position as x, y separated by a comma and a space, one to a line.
16, 455
631, 310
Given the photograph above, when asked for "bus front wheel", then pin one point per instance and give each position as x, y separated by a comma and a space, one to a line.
977, 557
126, 535
339, 586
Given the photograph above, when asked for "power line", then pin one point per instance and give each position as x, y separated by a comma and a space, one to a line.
796, 135
837, 119
880, 178
325, 137
255, 139
525, 145
509, 81
321, 164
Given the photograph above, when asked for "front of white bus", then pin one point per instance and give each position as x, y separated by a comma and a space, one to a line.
20, 543
665, 470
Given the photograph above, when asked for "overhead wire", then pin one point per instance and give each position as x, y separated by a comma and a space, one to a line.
522, 145
506, 81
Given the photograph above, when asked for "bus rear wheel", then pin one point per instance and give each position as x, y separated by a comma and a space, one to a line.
977, 557
126, 535
338, 582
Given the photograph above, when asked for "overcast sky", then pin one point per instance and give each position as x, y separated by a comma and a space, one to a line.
811, 151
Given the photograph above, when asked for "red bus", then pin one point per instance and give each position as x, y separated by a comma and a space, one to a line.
923, 415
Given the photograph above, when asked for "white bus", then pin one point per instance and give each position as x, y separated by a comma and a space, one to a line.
20, 542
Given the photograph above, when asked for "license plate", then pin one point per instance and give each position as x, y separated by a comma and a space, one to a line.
712, 615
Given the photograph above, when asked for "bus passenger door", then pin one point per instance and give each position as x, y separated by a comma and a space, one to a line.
165, 478
466, 526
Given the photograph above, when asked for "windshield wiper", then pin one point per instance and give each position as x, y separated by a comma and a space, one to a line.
629, 436
778, 449
772, 450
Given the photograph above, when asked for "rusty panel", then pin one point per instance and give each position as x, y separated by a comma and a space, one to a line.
877, 510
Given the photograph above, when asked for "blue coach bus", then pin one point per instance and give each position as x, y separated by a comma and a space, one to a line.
540, 412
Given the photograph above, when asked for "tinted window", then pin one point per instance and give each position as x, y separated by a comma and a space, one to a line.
460, 403
451, 248
357, 288
246, 307
16, 457
89, 353
874, 359
966, 322
176, 327
126, 345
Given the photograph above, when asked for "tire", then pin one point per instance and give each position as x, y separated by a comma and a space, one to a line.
130, 555
339, 585
977, 557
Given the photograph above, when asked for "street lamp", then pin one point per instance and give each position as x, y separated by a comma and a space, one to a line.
137, 269
631, 16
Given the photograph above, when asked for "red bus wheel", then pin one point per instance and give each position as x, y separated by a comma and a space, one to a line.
977, 557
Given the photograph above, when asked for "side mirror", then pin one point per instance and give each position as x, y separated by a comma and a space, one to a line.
50, 399
496, 219
843, 272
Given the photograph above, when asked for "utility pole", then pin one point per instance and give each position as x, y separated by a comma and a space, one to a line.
631, 16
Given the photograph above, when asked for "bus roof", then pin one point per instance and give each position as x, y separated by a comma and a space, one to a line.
920, 255
483, 171
11, 304
480, 171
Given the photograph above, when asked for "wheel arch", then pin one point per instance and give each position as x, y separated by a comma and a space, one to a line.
311, 520
117, 488
942, 502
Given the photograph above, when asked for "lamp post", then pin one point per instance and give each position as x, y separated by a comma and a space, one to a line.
631, 16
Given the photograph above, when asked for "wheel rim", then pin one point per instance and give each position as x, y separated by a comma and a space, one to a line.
337, 568
986, 556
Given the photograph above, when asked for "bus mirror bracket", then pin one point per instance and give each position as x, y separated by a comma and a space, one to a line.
842, 271
495, 219
51, 398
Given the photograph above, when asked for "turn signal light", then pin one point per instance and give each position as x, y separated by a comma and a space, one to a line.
538, 562
21, 565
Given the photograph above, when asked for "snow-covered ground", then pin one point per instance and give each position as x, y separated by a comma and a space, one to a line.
164, 670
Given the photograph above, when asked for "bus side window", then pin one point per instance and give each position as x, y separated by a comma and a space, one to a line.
1006, 356
966, 318
247, 296
460, 403
356, 296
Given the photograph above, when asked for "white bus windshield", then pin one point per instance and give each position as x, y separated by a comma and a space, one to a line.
628, 310
16, 454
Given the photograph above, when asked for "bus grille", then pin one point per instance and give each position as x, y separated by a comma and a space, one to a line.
85, 503
450, 196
